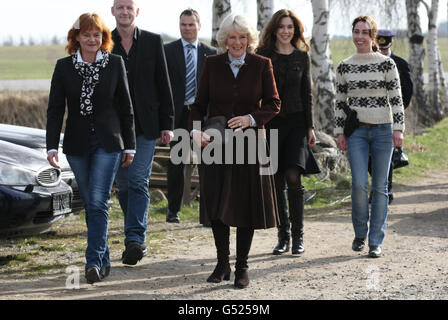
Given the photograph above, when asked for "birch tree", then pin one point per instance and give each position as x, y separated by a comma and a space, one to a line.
221, 9
265, 10
416, 60
433, 72
322, 67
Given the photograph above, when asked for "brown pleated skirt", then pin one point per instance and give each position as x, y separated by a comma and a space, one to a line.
237, 195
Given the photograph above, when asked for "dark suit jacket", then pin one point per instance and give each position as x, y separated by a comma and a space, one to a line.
152, 89
112, 109
407, 88
253, 91
175, 58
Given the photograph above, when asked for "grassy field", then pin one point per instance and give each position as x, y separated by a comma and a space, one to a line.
37, 62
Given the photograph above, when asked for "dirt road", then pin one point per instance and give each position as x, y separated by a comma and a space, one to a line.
414, 264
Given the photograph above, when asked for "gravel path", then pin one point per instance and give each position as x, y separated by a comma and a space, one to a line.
414, 263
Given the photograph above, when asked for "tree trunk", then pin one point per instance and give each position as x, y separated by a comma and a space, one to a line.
416, 60
443, 91
265, 10
221, 8
322, 68
433, 72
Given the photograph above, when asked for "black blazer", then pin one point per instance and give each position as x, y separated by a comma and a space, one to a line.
152, 89
175, 58
112, 117
407, 88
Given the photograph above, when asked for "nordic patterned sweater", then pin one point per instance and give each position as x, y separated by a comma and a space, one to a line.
370, 84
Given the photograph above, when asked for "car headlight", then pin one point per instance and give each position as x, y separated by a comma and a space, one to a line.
11, 175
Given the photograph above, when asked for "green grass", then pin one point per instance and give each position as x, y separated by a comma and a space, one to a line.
29, 62
344, 48
37, 62
426, 152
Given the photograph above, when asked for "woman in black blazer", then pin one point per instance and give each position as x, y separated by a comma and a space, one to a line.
284, 43
99, 126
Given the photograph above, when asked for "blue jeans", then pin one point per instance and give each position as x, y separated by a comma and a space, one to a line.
94, 173
377, 141
133, 194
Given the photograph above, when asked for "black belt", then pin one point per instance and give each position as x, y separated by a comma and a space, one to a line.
188, 106
367, 124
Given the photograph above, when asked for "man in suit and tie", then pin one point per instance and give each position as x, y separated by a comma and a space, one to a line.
185, 58
150, 91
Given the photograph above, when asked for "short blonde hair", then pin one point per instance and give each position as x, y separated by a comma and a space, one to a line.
241, 25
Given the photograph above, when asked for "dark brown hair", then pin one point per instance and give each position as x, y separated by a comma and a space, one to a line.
373, 31
191, 12
269, 37
89, 21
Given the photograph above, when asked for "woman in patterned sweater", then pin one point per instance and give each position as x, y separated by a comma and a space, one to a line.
368, 82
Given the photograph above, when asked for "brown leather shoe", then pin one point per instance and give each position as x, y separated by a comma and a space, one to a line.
241, 278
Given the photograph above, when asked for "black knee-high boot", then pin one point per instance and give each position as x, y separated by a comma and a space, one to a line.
221, 234
284, 230
296, 208
243, 243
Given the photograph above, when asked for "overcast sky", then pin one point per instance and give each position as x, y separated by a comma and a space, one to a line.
43, 19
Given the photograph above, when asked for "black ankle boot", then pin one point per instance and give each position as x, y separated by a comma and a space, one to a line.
243, 243
241, 278
221, 272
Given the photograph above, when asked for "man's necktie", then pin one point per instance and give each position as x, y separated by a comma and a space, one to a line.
190, 79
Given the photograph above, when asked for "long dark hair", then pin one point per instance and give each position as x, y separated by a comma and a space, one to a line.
373, 30
269, 37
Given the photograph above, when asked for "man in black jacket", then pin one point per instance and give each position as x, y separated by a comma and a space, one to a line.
150, 90
385, 42
185, 58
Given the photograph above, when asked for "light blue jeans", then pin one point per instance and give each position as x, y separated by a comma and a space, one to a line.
94, 173
377, 141
133, 194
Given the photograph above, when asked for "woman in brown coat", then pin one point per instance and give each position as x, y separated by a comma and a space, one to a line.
240, 86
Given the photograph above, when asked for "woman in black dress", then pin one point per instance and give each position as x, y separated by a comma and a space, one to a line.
283, 41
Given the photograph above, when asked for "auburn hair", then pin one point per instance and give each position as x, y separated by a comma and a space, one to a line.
85, 22
269, 37
373, 29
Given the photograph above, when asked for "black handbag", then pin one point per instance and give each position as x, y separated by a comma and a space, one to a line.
218, 123
399, 158
351, 122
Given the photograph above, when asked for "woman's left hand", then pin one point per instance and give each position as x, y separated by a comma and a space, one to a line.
126, 159
311, 137
398, 138
239, 123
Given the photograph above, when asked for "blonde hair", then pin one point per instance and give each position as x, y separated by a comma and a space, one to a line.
241, 25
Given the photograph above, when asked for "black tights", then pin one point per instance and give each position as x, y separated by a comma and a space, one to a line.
221, 233
292, 176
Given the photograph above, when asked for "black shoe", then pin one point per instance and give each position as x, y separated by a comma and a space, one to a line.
282, 246
133, 253
241, 278
374, 252
391, 197
104, 272
172, 217
297, 246
358, 244
93, 275
221, 272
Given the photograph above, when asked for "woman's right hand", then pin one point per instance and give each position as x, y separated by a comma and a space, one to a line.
53, 159
342, 142
201, 138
